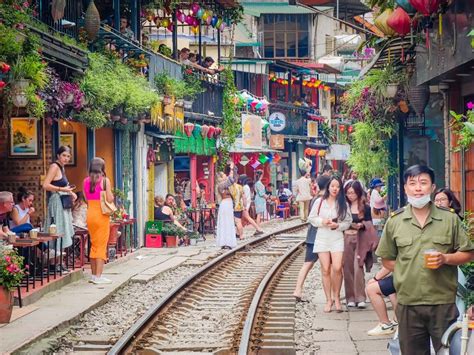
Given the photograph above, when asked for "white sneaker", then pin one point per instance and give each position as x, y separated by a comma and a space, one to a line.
351, 304
394, 323
361, 305
382, 329
101, 281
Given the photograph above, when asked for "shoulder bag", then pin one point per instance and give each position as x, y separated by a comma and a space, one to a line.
108, 208
66, 201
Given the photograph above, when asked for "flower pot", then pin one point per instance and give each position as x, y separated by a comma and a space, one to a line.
20, 85
113, 233
19, 99
6, 305
170, 241
167, 100
193, 241
391, 90
188, 104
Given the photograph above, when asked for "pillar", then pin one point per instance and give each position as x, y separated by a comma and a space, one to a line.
90, 145
212, 176
193, 177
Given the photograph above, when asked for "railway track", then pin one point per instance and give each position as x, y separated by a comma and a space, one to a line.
215, 310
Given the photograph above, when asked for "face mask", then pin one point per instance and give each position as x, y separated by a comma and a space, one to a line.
419, 202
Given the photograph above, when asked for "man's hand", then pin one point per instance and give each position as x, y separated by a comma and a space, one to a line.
436, 259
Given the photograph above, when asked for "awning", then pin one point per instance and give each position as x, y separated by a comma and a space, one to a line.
347, 8
253, 8
254, 66
161, 136
319, 67
237, 148
280, 65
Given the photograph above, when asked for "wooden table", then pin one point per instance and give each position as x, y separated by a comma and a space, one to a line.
48, 238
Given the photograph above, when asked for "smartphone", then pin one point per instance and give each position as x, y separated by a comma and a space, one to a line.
72, 186
335, 221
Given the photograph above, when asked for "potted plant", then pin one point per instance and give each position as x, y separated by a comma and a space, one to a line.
192, 88
11, 274
168, 87
170, 232
193, 238
28, 70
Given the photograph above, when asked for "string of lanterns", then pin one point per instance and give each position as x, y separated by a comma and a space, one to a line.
197, 16
312, 83
310, 152
256, 159
204, 131
245, 100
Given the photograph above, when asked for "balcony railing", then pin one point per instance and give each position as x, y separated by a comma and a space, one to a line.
69, 24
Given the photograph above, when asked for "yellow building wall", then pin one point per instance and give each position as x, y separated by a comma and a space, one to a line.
105, 148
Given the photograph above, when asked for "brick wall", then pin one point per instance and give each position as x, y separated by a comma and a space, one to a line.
15, 172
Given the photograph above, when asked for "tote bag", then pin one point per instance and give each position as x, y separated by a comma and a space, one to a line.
108, 208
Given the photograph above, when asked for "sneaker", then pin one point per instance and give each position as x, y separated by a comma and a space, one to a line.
101, 280
382, 329
351, 304
394, 323
361, 305
258, 233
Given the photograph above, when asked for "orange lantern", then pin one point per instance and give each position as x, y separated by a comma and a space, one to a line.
322, 153
350, 129
342, 128
307, 151
305, 82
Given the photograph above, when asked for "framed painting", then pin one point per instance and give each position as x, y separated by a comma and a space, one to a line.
69, 140
23, 137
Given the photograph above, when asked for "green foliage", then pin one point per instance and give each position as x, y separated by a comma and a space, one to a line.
93, 118
36, 107
10, 45
231, 125
30, 67
192, 86
14, 13
369, 154
170, 229
382, 5
463, 127
169, 86
11, 268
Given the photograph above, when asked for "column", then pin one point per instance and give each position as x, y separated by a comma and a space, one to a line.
193, 177
212, 176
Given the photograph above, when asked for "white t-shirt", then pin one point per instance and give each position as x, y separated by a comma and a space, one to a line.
248, 197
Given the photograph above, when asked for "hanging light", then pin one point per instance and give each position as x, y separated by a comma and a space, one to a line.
299, 142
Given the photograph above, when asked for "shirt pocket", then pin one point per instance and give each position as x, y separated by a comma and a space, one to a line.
405, 246
442, 243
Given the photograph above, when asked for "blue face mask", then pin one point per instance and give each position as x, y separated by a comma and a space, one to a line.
419, 202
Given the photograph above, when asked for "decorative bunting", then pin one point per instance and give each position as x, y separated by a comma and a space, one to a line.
244, 160
255, 164
276, 158
237, 157
262, 158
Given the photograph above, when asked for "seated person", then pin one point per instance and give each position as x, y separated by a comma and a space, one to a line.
164, 211
6, 206
283, 195
79, 211
21, 212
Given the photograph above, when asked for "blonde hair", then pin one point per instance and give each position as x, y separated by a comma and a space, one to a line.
5, 195
159, 201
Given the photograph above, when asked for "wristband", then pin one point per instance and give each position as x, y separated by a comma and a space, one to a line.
376, 279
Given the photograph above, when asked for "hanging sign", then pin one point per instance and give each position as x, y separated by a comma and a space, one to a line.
251, 131
277, 141
312, 129
277, 121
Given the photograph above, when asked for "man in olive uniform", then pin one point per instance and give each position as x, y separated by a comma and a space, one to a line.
426, 292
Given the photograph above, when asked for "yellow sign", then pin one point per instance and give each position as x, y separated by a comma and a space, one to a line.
277, 141
251, 131
312, 129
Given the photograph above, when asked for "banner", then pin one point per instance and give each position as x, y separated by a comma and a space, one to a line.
277, 141
251, 132
312, 129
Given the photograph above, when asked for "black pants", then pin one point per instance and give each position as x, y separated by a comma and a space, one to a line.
418, 323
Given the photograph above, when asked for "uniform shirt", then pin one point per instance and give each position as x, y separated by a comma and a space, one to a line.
405, 241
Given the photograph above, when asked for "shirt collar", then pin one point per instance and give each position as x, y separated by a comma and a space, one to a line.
434, 214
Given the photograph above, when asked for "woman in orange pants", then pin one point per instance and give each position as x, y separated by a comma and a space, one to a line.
98, 224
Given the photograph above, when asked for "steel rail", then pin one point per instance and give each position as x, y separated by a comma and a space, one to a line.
252, 312
126, 339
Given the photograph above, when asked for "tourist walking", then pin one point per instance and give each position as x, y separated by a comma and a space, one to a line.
260, 197
377, 204
302, 191
444, 197
310, 257
225, 235
98, 223
244, 181
422, 244
60, 198
237, 192
357, 244
331, 215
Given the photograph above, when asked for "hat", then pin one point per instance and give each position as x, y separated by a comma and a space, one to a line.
380, 205
376, 182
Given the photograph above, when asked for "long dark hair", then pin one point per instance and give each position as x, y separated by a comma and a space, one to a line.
341, 203
359, 191
79, 201
23, 193
453, 201
62, 149
96, 172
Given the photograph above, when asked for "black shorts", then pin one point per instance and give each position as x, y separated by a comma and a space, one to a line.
238, 214
310, 255
386, 286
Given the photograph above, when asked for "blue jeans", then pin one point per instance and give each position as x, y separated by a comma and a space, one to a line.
22, 228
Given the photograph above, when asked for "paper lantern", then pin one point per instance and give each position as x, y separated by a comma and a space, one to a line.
322, 153
244, 160
204, 130
262, 158
197, 130
254, 104
188, 128
405, 5
170, 27
180, 16
381, 23
218, 23
200, 13
399, 21
205, 15
195, 30
419, 97
276, 158
195, 22
270, 157
165, 22
342, 128
195, 7
307, 151
92, 21
210, 132
425, 7
217, 132
189, 20
222, 27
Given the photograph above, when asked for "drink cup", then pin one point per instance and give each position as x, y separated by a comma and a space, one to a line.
11, 237
33, 233
427, 255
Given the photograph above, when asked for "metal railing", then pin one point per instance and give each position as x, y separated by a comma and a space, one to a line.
69, 24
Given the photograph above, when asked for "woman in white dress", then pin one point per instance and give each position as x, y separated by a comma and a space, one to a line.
225, 237
331, 215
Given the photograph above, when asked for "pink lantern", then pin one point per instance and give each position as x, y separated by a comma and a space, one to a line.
189, 20
399, 21
208, 20
210, 132
181, 17
188, 128
195, 22
170, 27
204, 130
178, 15
218, 132
425, 7
222, 26
195, 8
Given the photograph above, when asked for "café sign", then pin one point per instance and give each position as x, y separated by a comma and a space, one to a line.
277, 121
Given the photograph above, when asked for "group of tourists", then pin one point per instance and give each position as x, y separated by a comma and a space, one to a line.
420, 248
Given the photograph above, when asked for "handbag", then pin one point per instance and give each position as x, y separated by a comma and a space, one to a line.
108, 208
66, 201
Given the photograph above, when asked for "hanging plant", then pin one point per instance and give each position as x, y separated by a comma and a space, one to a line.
51, 95
463, 127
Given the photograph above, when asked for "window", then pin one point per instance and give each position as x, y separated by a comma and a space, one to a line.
286, 36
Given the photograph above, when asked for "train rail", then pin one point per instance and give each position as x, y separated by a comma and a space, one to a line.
214, 310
